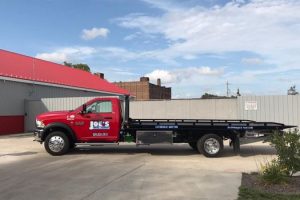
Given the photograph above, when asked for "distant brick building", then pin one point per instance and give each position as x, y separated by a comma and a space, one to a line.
144, 90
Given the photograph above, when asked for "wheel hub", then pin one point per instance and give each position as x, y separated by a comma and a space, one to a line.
56, 143
212, 146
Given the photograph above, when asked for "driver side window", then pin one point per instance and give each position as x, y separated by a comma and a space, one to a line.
100, 107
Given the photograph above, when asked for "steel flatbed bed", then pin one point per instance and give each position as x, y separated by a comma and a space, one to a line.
196, 132
203, 124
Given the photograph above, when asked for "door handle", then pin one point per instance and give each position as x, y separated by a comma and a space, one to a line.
107, 117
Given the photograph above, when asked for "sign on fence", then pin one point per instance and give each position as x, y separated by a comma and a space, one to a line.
250, 105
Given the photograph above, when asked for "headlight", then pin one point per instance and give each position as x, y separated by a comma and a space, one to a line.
39, 124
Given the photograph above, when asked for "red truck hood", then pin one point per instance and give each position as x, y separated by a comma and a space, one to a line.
52, 114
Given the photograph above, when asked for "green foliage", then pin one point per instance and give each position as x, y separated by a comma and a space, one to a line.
277, 171
273, 173
81, 66
250, 194
68, 64
84, 67
287, 146
212, 96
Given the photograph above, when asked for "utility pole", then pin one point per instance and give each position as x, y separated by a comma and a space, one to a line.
227, 89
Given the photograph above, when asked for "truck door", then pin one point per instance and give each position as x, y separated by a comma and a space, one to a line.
99, 123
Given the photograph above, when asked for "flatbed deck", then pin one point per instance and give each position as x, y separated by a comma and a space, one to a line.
203, 124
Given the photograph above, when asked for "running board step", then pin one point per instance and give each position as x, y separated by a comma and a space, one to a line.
96, 144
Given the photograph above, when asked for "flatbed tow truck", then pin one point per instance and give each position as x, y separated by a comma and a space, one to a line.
100, 121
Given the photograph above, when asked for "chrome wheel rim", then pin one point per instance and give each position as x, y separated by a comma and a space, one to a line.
56, 143
212, 146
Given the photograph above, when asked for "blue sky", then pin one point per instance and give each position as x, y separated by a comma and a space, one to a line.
193, 46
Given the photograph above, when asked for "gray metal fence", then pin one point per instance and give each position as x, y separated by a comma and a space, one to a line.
185, 109
282, 109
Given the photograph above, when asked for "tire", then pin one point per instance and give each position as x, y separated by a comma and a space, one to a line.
57, 143
72, 145
193, 145
210, 145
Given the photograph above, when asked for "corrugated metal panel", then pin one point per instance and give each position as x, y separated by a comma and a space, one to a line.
279, 108
13, 94
185, 109
283, 109
12, 97
65, 103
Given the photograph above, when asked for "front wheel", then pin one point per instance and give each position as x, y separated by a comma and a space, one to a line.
211, 145
57, 143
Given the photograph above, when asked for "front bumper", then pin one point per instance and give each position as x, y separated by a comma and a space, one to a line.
38, 135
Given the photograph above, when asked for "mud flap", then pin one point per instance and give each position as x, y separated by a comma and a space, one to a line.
236, 144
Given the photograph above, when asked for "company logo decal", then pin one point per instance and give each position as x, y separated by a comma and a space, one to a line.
100, 134
99, 125
79, 123
240, 127
167, 127
70, 117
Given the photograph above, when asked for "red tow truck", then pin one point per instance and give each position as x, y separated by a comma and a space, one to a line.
100, 121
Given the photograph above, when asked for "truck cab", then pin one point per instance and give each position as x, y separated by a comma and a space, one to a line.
98, 120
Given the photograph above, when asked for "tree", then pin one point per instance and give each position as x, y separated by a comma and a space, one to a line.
292, 90
213, 96
81, 66
287, 146
209, 96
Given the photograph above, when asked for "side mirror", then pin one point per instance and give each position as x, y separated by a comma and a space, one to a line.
83, 108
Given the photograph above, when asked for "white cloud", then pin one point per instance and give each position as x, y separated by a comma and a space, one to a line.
268, 28
89, 34
57, 57
117, 53
252, 61
178, 75
122, 71
130, 37
133, 36
164, 5
79, 53
67, 54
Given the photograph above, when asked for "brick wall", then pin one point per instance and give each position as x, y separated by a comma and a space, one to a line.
144, 90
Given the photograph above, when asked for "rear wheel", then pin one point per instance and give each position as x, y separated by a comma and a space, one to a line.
57, 143
211, 145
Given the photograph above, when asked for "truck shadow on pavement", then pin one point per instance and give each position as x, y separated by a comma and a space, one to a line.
19, 154
246, 151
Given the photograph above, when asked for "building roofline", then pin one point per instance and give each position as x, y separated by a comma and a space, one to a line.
31, 57
55, 85
41, 77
